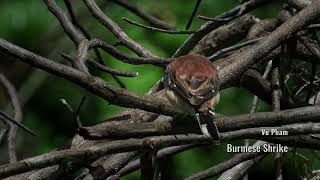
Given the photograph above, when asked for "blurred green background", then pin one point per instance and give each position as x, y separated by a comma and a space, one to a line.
30, 25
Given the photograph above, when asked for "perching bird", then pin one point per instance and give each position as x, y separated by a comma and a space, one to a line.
192, 80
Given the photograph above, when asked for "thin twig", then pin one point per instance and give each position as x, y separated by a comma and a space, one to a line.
158, 61
101, 67
147, 17
111, 70
236, 12
74, 20
75, 35
193, 14
234, 47
302, 88
16, 106
71, 30
67, 105
5, 116
156, 29
74, 113
115, 29
314, 26
87, 35
77, 112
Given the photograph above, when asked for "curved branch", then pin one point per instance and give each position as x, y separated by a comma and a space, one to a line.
115, 29
120, 56
13, 130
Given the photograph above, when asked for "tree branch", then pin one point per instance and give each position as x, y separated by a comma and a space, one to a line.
115, 29
147, 17
93, 152
210, 26
94, 84
224, 123
75, 35
169, 151
221, 167
12, 135
168, 31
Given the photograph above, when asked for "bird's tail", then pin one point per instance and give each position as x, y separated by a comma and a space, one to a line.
207, 124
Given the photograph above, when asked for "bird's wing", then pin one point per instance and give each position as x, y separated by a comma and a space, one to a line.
172, 83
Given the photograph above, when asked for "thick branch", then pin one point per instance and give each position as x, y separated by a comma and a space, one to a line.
224, 36
89, 153
297, 22
165, 127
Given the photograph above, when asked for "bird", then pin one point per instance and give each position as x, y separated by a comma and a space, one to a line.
192, 81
